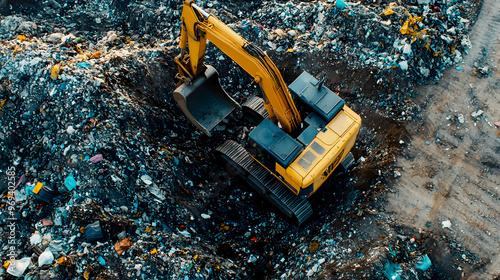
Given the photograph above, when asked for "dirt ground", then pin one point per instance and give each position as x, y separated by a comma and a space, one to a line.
449, 170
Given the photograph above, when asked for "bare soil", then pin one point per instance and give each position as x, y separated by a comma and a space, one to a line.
449, 170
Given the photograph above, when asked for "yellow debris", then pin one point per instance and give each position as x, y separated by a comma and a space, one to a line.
388, 12
195, 257
6, 264
314, 246
55, 72
290, 50
21, 37
38, 187
82, 229
78, 50
410, 26
86, 275
154, 252
148, 230
427, 46
97, 54
2, 103
61, 260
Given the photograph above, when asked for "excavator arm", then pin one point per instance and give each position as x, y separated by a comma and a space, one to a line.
198, 27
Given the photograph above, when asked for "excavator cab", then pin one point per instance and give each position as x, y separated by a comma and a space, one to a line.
204, 101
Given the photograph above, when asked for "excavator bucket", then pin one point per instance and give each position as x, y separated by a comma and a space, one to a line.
204, 101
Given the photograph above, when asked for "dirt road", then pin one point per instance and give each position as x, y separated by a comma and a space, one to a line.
450, 171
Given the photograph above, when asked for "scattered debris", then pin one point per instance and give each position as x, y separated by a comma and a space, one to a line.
446, 224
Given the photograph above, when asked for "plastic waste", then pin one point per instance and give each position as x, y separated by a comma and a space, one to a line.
314, 246
147, 179
407, 49
94, 232
404, 65
205, 216
388, 12
55, 246
38, 187
122, 245
54, 73
70, 129
35, 239
70, 182
153, 188
18, 267
340, 4
446, 224
83, 64
424, 263
96, 158
20, 195
477, 113
392, 271
45, 258
46, 194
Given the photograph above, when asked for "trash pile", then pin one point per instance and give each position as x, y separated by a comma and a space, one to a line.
85, 130
421, 38
109, 180
337, 255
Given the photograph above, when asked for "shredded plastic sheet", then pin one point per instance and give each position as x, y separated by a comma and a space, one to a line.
17, 267
410, 26
424, 263
392, 271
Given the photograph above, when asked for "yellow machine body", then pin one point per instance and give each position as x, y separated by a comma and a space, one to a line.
306, 165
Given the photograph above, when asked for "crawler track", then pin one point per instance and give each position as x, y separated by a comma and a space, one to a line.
265, 183
254, 107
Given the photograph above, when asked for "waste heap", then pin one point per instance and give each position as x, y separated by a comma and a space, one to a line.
421, 37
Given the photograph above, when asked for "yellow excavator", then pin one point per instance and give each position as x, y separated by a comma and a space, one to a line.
289, 154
